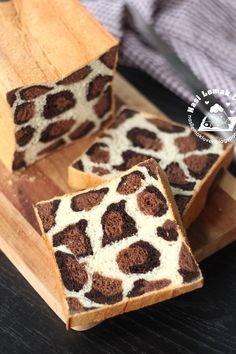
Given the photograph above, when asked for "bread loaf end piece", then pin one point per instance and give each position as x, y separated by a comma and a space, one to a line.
57, 82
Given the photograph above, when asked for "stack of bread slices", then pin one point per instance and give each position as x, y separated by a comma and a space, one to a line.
118, 242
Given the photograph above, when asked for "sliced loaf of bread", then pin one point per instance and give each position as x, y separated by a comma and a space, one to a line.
57, 65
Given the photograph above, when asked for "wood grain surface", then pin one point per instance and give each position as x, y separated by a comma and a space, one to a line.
48, 177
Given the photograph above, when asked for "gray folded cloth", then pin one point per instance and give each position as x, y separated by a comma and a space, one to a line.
202, 34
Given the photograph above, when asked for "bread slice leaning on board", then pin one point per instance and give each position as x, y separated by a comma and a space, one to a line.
191, 164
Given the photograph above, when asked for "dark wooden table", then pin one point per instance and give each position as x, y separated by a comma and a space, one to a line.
203, 321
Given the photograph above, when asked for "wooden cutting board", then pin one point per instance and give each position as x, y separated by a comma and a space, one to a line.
19, 233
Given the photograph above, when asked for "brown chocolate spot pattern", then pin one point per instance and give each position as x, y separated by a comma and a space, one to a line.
123, 116
74, 305
24, 135
104, 103
177, 177
199, 165
99, 153
47, 213
117, 224
76, 76
168, 231
182, 202
145, 139
58, 103
131, 158
82, 130
166, 126
52, 147
100, 171
188, 268
97, 85
142, 286
130, 183
78, 165
152, 202
11, 96
24, 112
140, 257
105, 290
56, 129
88, 200
73, 273
151, 166
19, 160
30, 93
109, 58
74, 237
191, 143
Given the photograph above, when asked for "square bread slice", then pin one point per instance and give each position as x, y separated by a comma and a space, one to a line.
118, 247
56, 67
191, 165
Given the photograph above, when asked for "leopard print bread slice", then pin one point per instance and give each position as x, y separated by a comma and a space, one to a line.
51, 115
118, 247
190, 163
